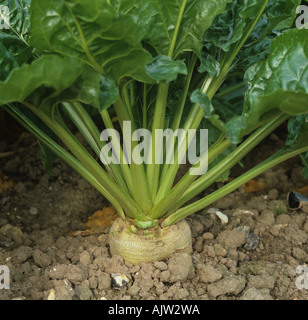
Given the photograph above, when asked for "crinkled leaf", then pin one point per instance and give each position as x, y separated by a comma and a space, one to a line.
93, 32
14, 40
218, 111
19, 19
7, 62
278, 84
230, 27
298, 137
163, 68
49, 80
160, 18
295, 124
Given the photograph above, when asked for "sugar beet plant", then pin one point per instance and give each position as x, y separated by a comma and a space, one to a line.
237, 68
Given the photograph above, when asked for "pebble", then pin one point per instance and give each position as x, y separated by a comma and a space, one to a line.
252, 242
13, 233
51, 295
232, 238
119, 281
208, 236
255, 294
41, 259
208, 274
229, 285
160, 265
33, 211
262, 281
180, 265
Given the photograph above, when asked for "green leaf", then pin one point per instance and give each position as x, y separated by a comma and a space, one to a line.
218, 111
214, 136
15, 39
279, 84
230, 27
304, 158
209, 64
19, 18
7, 62
92, 32
163, 68
109, 92
298, 137
47, 158
49, 80
172, 23
204, 101
295, 125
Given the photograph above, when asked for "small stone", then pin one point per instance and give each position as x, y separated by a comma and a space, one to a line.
197, 226
160, 265
41, 259
232, 238
252, 242
208, 236
229, 285
283, 219
198, 245
267, 218
255, 294
165, 276
19, 298
119, 281
12, 233
51, 295
242, 212
22, 254
133, 290
63, 290
75, 274
208, 274
83, 292
209, 251
85, 258
219, 250
263, 281
104, 280
33, 211
180, 265
58, 272
300, 254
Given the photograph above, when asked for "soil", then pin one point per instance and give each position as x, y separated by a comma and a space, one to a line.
252, 257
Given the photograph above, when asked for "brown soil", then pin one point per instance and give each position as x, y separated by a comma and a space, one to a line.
45, 263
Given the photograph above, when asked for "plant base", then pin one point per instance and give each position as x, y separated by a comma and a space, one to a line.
157, 245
